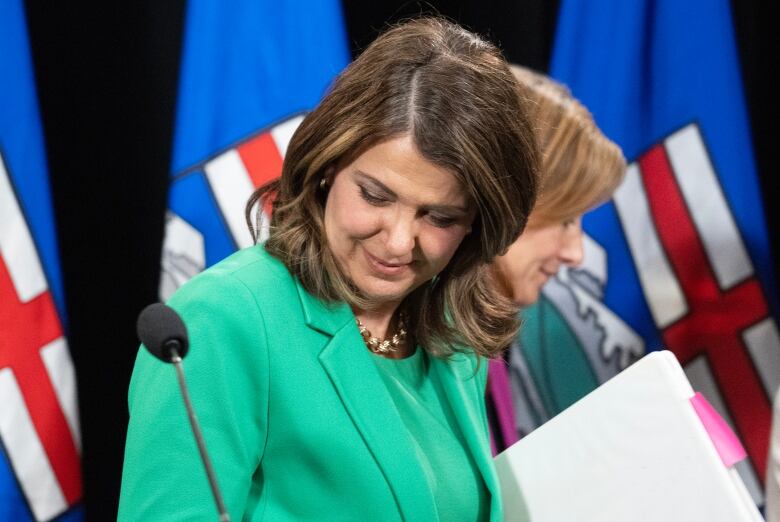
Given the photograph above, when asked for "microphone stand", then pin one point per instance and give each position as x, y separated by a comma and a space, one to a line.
176, 360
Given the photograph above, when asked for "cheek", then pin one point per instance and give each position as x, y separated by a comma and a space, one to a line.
348, 218
518, 257
439, 245
548, 244
536, 246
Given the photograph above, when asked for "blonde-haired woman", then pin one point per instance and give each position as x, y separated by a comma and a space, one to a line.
338, 369
580, 169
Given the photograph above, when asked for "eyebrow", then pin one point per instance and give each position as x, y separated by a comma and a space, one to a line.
382, 187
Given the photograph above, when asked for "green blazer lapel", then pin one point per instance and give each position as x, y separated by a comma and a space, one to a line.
323, 317
459, 384
368, 403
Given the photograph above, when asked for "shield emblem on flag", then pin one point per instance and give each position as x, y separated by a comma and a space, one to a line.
206, 220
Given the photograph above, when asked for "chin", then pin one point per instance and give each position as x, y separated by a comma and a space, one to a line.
383, 293
526, 296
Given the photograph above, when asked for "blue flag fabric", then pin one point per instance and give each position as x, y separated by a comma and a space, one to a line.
250, 69
679, 259
40, 476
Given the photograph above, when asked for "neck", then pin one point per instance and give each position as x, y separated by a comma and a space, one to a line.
378, 320
500, 282
382, 322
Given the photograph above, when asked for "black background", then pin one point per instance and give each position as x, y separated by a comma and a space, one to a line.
107, 77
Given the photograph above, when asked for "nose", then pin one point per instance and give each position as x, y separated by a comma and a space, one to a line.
572, 251
401, 236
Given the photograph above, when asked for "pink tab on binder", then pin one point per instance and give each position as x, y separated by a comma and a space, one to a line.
726, 442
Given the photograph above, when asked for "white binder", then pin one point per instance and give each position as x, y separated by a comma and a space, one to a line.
633, 450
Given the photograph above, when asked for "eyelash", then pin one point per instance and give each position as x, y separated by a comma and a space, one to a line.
441, 222
373, 199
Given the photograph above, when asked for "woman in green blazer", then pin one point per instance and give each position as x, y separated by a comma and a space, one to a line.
338, 369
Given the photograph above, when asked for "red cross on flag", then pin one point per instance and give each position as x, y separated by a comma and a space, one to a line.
700, 283
39, 416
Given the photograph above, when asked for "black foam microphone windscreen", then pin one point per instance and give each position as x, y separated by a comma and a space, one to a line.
161, 329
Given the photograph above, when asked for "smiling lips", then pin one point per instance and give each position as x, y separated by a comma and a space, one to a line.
383, 267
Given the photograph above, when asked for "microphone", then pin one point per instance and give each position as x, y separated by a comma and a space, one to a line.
164, 334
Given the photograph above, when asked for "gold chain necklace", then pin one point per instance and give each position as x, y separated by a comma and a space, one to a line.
379, 346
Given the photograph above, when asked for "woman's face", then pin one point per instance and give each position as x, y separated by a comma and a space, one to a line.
393, 220
535, 257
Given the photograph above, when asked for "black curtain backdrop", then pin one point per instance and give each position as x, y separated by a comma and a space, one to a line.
107, 78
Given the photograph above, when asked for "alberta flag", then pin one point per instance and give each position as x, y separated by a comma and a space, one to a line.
40, 471
679, 259
250, 70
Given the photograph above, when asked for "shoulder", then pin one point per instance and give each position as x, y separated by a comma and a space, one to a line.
250, 294
241, 298
225, 310
246, 275
253, 266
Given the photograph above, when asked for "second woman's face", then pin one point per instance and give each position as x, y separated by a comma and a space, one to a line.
535, 257
393, 220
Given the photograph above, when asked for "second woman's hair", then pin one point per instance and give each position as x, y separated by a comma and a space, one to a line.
580, 166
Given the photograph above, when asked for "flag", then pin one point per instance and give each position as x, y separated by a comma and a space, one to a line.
250, 70
679, 258
40, 473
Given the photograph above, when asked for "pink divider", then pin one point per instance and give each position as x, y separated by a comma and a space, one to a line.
726, 442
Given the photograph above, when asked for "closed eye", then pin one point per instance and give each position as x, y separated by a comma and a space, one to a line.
441, 221
371, 197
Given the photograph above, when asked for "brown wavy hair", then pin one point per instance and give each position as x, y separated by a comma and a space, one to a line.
454, 94
580, 166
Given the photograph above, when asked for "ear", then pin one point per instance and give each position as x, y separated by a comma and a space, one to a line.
329, 174
326, 181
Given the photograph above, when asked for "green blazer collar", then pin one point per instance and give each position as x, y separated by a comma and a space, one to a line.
457, 379
327, 318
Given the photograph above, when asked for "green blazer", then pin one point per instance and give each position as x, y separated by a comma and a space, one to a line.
297, 420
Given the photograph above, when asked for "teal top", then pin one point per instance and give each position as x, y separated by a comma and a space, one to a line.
455, 481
